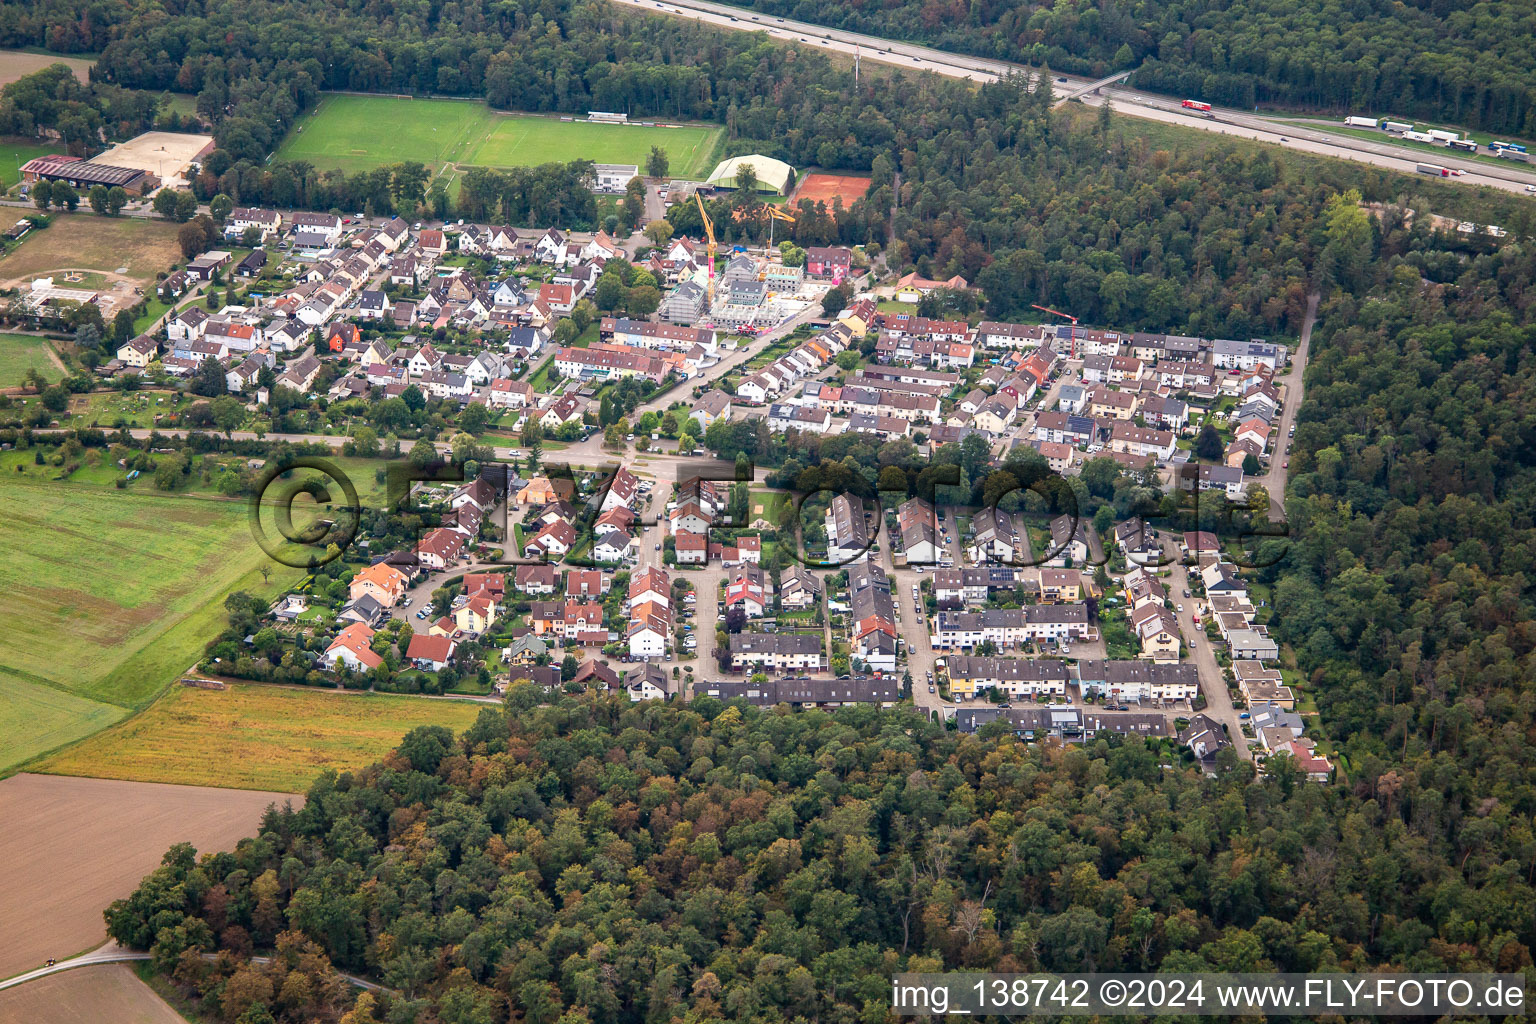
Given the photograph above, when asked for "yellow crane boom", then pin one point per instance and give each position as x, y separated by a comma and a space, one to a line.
774, 213
709, 232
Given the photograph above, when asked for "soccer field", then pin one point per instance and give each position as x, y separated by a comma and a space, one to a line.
356, 133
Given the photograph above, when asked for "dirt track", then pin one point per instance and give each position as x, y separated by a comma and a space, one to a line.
91, 994
73, 845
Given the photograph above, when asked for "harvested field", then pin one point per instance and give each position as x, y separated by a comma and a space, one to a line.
72, 846
14, 64
87, 242
108, 992
819, 187
255, 736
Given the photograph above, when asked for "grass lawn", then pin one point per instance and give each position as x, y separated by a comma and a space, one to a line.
255, 736
109, 594
540, 380
86, 241
773, 352
35, 718
892, 306
184, 103
20, 353
154, 309
343, 133
16, 151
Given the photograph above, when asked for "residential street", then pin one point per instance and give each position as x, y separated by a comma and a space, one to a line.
1275, 480
913, 626
1213, 681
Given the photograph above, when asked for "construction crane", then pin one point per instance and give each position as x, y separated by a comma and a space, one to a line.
709, 232
1045, 309
776, 214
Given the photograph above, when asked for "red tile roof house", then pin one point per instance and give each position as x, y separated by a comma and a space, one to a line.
555, 539
692, 548
587, 583
491, 584
440, 548
431, 652
580, 618
351, 648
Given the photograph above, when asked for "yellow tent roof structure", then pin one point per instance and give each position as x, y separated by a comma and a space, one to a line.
773, 174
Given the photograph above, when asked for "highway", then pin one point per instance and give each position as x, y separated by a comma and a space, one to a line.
886, 51
1237, 123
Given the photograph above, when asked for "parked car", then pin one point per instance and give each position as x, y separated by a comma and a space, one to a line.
932, 688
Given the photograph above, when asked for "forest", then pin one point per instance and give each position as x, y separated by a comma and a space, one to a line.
601, 861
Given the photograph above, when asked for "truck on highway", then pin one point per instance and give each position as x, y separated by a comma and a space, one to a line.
1396, 127
1360, 122
1195, 105
1435, 169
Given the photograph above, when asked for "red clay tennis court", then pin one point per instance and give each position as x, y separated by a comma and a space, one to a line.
825, 187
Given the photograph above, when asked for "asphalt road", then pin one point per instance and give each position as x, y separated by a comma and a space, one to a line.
1213, 681
888, 51
1248, 125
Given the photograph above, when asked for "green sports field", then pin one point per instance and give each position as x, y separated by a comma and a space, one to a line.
356, 133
